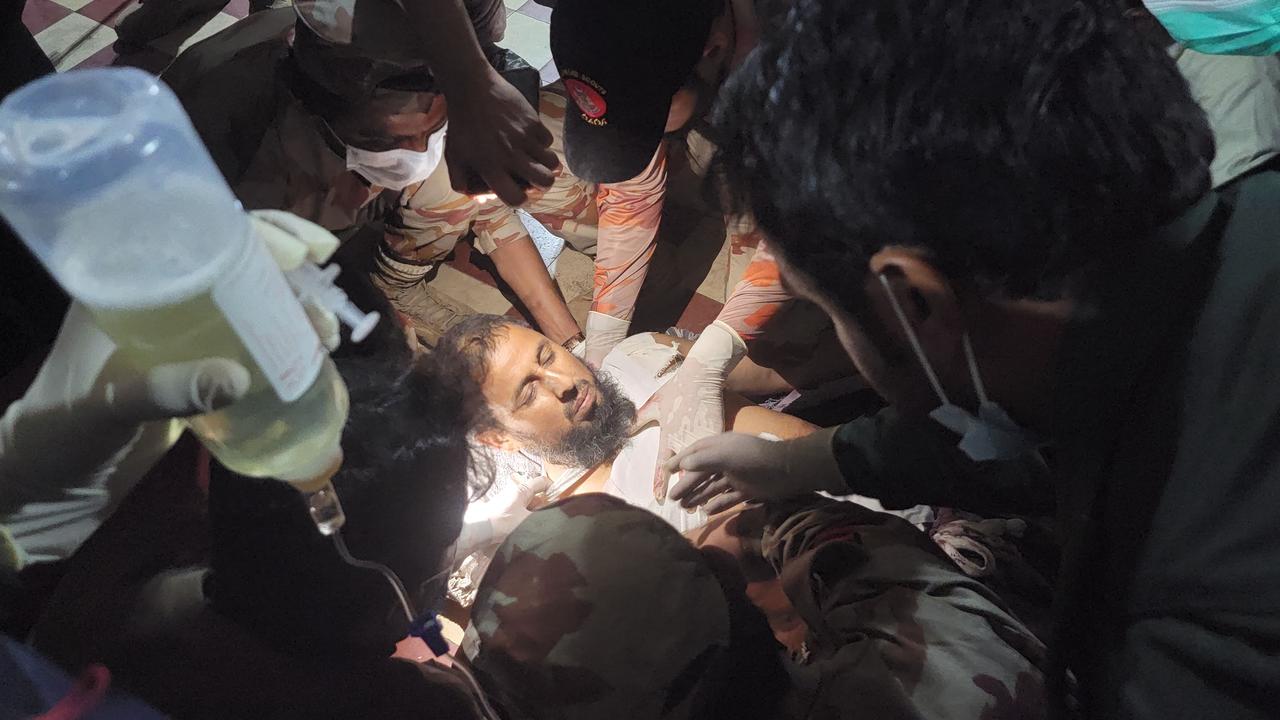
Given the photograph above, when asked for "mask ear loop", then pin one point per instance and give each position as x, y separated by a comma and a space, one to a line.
978, 387
915, 341
426, 627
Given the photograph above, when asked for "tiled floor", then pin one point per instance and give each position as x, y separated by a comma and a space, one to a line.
77, 33
80, 34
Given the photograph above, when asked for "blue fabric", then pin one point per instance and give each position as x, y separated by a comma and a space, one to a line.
30, 685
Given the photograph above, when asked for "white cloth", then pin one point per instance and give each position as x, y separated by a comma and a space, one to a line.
1240, 96
640, 365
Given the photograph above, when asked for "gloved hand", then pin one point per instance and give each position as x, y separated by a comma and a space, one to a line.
500, 515
690, 406
91, 425
724, 470
603, 332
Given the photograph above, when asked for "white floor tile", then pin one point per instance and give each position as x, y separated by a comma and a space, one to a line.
528, 38
73, 39
193, 32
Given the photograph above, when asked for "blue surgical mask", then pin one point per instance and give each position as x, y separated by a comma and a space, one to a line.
991, 434
1221, 27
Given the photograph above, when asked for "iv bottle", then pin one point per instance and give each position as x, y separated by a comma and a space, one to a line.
104, 178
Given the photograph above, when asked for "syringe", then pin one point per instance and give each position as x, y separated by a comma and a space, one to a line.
315, 284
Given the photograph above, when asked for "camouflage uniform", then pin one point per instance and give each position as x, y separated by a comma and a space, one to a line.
596, 609
276, 153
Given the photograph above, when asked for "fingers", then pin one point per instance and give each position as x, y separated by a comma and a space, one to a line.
538, 168
647, 415
179, 390
542, 139
689, 484
707, 491
661, 476
459, 171
325, 324
725, 501
708, 453
292, 239
530, 486
285, 249
504, 185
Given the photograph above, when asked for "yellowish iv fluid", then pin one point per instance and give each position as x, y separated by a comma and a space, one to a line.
260, 435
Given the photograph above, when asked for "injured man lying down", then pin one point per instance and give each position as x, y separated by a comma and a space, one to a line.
553, 427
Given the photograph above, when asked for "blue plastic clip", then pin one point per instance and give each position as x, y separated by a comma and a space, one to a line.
428, 628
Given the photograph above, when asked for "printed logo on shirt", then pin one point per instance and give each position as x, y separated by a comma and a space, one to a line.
589, 98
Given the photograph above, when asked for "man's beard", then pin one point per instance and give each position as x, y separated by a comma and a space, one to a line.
599, 439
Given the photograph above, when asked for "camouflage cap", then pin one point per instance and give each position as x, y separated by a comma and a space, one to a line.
594, 609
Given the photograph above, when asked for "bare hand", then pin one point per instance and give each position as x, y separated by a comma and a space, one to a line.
496, 135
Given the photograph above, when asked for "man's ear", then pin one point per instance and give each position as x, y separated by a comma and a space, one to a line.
927, 300
498, 438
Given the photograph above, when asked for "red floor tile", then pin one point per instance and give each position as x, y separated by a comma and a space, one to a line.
700, 312
107, 12
40, 14
536, 11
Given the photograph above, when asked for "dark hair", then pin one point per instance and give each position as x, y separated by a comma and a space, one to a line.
403, 487
1020, 143
463, 353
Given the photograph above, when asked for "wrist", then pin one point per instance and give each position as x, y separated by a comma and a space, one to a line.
811, 460
717, 351
469, 82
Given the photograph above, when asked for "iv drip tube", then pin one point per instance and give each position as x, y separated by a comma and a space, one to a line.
403, 596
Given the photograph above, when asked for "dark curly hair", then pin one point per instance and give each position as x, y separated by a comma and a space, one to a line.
1019, 143
463, 355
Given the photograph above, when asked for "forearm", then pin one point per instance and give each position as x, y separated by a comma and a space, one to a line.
520, 265
913, 461
450, 44
757, 297
629, 215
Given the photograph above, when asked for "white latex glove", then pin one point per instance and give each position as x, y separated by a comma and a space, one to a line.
603, 332
91, 425
721, 471
293, 241
690, 406
499, 515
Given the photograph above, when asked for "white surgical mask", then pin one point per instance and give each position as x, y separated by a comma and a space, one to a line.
398, 169
992, 434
